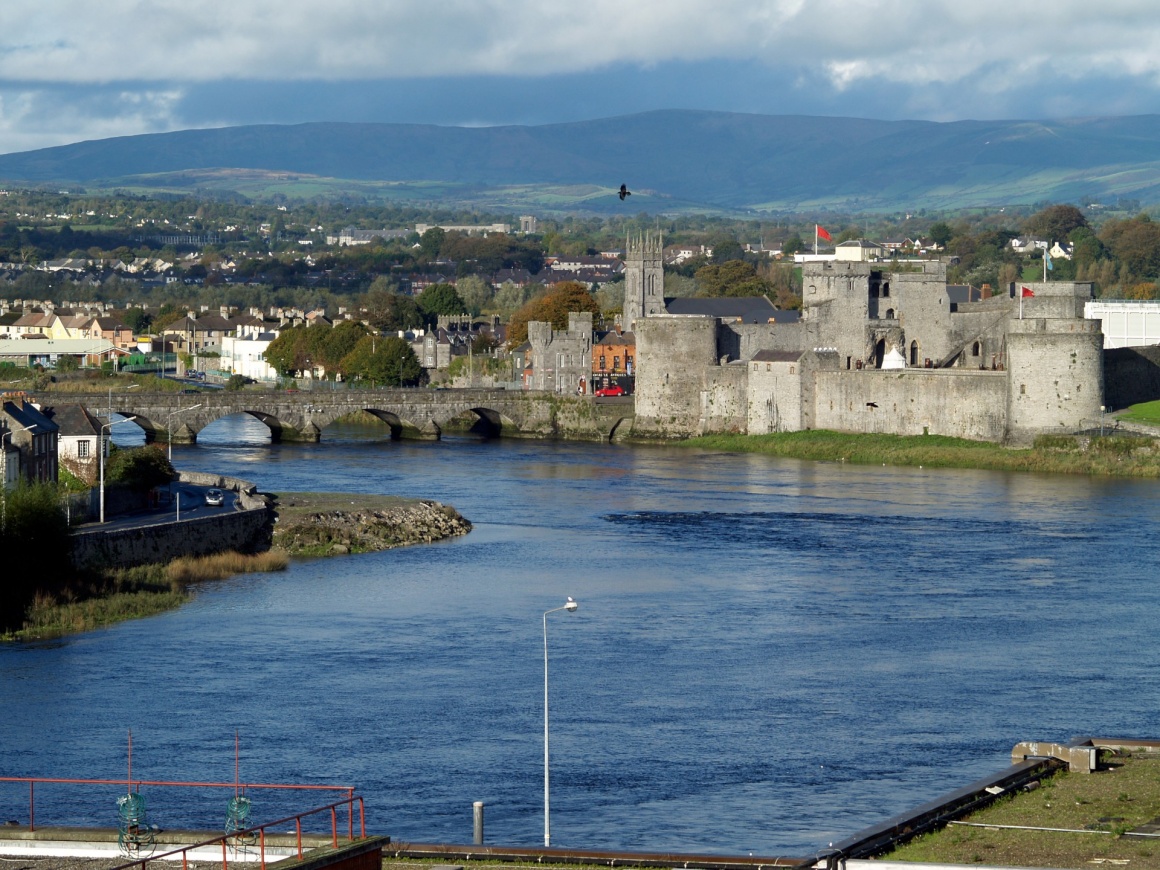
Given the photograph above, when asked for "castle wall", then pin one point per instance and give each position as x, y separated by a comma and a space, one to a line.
963, 404
674, 355
724, 399
743, 340
923, 311
774, 397
1056, 375
835, 306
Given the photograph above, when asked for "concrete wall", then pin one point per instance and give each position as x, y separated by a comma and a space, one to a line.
247, 530
1131, 375
963, 404
1056, 376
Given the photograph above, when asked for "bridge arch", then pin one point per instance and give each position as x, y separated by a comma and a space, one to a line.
488, 422
616, 430
400, 427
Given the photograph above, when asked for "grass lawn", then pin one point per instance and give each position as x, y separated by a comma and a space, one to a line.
1089, 814
1111, 456
1145, 412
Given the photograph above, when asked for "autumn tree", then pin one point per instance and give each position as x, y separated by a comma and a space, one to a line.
553, 307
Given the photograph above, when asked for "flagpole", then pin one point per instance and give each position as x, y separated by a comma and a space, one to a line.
815, 240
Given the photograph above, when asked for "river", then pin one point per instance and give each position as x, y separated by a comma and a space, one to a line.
769, 655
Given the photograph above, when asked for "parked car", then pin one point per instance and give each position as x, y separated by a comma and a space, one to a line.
614, 390
215, 498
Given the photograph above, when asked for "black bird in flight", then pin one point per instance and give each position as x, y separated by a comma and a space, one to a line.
624, 191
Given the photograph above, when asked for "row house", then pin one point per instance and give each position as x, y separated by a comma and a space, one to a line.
33, 435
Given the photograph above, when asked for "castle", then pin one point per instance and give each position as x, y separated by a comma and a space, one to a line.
879, 347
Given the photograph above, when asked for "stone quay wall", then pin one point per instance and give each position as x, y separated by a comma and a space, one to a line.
247, 530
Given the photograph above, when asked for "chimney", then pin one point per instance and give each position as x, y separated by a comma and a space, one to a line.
987, 292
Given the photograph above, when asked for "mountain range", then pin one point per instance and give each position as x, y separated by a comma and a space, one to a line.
672, 161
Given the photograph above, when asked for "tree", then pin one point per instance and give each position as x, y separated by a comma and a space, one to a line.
390, 311
793, 244
509, 298
553, 307
387, 361
1055, 222
431, 242
439, 299
139, 468
734, 278
475, 293
941, 233
726, 249
34, 538
137, 319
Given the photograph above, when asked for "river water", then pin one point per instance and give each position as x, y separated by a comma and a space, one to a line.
769, 655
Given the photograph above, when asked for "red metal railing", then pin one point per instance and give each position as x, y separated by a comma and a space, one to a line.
135, 785
260, 830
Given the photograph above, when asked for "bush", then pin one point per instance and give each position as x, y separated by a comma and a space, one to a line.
34, 538
139, 468
236, 382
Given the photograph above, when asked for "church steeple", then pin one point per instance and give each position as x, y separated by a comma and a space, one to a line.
644, 277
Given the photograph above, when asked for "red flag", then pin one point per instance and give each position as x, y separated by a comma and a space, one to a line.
1027, 291
822, 234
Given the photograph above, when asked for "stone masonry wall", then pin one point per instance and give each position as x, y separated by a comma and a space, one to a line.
246, 530
963, 404
674, 354
1056, 376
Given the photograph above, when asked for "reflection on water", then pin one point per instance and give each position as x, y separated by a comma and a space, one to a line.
768, 656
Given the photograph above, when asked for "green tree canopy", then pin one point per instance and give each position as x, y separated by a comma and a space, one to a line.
1055, 222
440, 299
139, 468
386, 361
941, 233
390, 311
34, 538
733, 278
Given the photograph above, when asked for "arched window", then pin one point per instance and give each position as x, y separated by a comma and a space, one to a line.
889, 313
914, 353
975, 349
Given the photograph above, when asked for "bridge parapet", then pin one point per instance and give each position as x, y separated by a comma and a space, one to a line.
410, 413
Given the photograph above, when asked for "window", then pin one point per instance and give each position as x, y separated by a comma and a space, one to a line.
791, 370
769, 367
82, 449
975, 349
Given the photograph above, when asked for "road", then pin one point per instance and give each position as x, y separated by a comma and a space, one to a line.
187, 496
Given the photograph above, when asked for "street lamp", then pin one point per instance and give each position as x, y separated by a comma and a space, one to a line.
169, 425
570, 607
101, 448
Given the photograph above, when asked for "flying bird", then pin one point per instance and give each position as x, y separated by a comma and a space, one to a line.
624, 191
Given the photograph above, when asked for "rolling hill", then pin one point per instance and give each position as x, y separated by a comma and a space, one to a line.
672, 160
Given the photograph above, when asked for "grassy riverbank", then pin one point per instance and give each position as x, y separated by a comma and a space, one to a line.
1071, 820
133, 593
1112, 456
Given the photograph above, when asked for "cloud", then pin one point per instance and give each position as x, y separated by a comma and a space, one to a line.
895, 41
74, 69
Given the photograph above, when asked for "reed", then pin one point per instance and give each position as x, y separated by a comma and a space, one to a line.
133, 593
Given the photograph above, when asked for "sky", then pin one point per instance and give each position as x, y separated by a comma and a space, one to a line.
74, 70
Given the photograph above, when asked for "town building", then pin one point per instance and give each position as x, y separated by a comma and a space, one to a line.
33, 435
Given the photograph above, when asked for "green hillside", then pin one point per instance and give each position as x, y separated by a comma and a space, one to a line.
672, 160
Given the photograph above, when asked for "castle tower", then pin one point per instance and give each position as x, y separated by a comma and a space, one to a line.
644, 278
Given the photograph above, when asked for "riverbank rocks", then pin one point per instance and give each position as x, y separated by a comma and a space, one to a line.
361, 528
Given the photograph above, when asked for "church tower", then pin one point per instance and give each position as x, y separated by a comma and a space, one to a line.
644, 278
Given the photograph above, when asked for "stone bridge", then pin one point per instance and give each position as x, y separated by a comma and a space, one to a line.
410, 413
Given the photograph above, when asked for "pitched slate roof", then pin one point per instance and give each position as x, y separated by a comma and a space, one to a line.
73, 420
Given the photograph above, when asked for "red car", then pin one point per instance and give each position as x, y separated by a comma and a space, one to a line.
614, 390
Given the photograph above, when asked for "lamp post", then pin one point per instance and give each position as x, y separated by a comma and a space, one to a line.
101, 447
570, 606
169, 424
